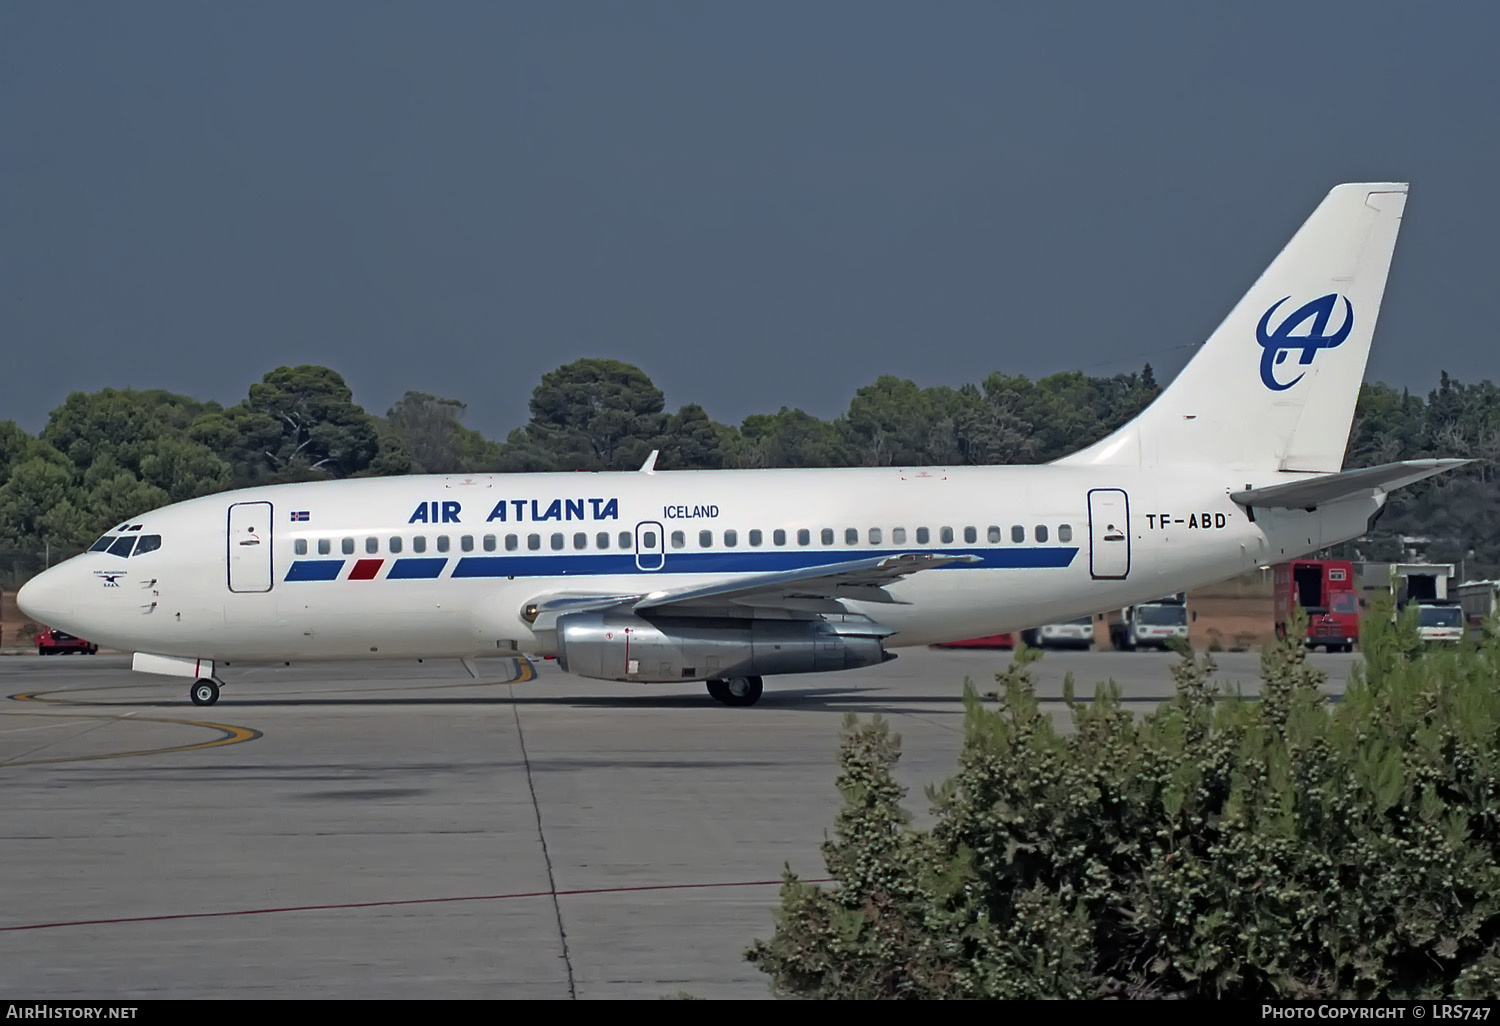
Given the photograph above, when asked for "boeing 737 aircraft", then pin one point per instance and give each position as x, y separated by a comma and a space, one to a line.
728, 576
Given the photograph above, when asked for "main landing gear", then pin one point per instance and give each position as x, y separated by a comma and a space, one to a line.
204, 692
736, 690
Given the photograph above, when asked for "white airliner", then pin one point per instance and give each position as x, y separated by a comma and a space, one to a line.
726, 576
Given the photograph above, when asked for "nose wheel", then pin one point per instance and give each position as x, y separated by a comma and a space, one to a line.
204, 692
736, 690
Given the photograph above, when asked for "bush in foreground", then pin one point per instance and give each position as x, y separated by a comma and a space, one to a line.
1220, 847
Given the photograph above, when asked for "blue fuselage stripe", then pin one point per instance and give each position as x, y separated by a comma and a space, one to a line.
600, 564
416, 569
315, 570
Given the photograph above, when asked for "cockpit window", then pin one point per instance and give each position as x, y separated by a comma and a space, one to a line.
149, 543
102, 543
122, 545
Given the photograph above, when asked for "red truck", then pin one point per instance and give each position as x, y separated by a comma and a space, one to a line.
1327, 591
54, 641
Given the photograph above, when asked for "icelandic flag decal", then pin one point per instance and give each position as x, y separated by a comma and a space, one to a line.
301, 514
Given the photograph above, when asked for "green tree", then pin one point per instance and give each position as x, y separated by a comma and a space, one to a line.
791, 438
298, 423
428, 428
591, 414
122, 425
1272, 849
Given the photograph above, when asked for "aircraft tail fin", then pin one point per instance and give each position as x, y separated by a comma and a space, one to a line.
1274, 387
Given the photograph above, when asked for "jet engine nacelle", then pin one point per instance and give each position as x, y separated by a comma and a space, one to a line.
667, 650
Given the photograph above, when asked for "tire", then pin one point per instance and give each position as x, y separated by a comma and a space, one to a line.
204, 692
741, 691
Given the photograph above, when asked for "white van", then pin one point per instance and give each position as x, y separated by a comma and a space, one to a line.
1077, 633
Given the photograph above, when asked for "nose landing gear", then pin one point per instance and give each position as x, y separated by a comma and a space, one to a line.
204, 692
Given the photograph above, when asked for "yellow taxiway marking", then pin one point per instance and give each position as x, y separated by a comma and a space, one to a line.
229, 735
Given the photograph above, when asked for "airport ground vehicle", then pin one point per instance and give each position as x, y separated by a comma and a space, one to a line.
1441, 620
53, 642
1076, 633
1149, 624
1479, 600
1325, 589
1425, 585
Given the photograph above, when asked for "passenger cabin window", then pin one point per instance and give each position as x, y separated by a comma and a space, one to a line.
779, 537
705, 539
1041, 532
993, 534
804, 536
945, 535
898, 536
648, 539
419, 543
395, 545
442, 543
489, 543
467, 543
1065, 532
874, 536
325, 546
512, 542
557, 541
625, 540
580, 540
827, 536
348, 546
372, 545
300, 546
923, 535
1017, 533
679, 539
755, 537
851, 536
970, 535
533, 542
602, 539
731, 539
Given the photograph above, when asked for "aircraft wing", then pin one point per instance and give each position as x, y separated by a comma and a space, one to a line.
812, 589
1345, 484
862, 579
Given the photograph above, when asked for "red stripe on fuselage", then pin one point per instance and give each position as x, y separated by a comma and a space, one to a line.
365, 569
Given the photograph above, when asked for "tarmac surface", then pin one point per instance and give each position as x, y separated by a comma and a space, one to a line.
373, 830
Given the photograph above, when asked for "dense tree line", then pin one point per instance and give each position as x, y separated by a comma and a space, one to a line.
107, 455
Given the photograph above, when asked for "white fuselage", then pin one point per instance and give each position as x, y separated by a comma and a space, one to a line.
433, 566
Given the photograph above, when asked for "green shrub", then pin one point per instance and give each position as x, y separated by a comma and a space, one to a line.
1287, 847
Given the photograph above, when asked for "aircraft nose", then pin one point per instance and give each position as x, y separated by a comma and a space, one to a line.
46, 598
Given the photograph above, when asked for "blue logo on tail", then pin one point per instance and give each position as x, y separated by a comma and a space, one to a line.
1282, 342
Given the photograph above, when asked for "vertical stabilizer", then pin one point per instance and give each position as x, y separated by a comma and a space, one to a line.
1274, 387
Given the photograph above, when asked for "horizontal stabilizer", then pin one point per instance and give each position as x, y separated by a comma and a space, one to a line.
1346, 484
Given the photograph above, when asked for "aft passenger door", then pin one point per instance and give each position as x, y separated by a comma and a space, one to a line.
1109, 534
250, 546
